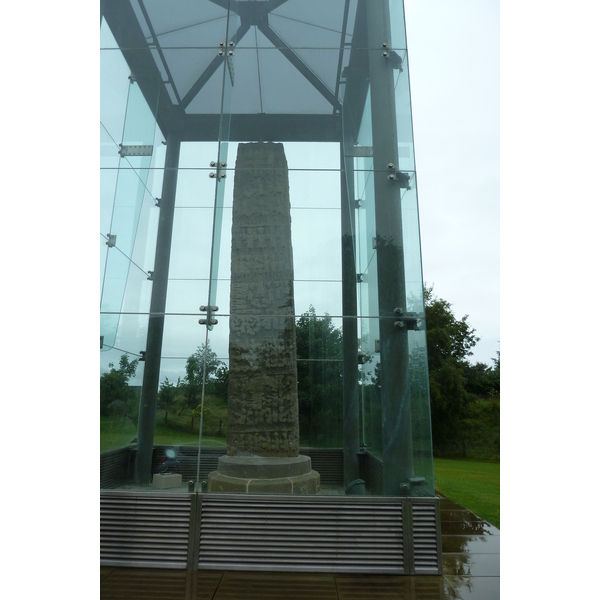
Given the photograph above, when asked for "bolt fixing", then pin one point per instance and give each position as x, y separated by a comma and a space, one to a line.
390, 165
213, 163
211, 175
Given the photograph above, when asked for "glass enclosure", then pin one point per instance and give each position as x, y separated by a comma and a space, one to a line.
186, 86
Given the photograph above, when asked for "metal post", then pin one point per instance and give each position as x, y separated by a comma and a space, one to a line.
395, 381
350, 330
147, 415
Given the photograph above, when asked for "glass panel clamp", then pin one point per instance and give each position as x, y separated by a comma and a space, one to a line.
402, 178
406, 320
150, 275
111, 242
210, 320
142, 357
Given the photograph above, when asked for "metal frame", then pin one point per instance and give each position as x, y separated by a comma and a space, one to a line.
370, 31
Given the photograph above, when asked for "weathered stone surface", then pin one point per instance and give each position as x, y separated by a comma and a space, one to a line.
263, 396
303, 484
259, 467
262, 429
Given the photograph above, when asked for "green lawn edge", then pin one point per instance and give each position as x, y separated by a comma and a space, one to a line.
471, 483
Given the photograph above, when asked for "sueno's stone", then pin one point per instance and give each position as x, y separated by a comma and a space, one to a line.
262, 428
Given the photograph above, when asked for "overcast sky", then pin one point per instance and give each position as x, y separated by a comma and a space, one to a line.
454, 61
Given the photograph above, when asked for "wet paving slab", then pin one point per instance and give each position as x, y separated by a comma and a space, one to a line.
479, 544
459, 515
468, 528
475, 588
472, 565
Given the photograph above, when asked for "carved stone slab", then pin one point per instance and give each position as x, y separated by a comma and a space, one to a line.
263, 395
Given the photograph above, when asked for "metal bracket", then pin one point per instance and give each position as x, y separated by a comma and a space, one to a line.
402, 178
112, 240
359, 278
142, 357
357, 204
408, 320
157, 202
101, 342
139, 150
359, 151
394, 59
210, 320
150, 275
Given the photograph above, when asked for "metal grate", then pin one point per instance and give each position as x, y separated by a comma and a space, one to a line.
308, 534
142, 529
373, 474
425, 537
114, 467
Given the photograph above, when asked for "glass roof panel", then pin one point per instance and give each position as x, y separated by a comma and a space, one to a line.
328, 14
181, 15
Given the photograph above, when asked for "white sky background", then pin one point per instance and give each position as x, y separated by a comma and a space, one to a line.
454, 61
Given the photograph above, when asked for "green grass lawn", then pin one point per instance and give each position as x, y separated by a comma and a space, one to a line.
119, 433
473, 484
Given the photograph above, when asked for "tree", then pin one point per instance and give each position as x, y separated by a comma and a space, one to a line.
449, 343
319, 348
217, 375
115, 393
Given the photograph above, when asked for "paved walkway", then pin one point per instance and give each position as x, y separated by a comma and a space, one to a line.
471, 555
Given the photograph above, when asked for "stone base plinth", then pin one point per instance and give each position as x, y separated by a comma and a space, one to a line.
261, 475
164, 481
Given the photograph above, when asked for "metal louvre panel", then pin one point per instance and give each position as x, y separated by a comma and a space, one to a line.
144, 529
328, 462
309, 535
425, 539
188, 458
114, 467
374, 474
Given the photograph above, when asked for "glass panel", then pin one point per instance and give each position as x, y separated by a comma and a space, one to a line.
131, 195
301, 64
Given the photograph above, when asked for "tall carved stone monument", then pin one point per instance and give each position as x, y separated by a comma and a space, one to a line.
262, 429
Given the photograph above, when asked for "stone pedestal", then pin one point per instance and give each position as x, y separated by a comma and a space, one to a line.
262, 427
264, 475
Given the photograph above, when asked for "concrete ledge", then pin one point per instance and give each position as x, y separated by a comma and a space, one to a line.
163, 481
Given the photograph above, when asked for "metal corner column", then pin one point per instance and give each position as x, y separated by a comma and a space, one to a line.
194, 535
395, 380
408, 538
156, 321
350, 331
